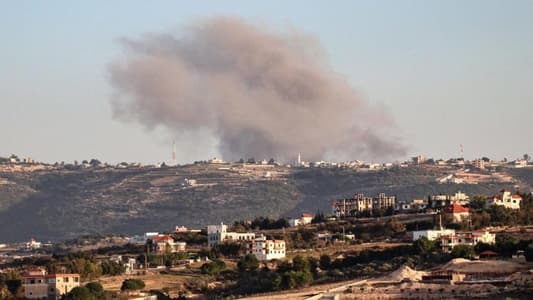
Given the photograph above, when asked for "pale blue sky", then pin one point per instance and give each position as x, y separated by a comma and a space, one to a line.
450, 72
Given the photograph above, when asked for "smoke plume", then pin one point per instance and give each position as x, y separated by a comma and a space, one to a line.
261, 93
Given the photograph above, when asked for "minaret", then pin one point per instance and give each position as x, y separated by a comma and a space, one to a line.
174, 153
299, 163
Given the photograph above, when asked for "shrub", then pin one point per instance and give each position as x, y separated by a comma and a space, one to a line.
214, 267
132, 285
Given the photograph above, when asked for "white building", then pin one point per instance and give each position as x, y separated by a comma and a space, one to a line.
33, 244
303, 220
265, 249
466, 238
217, 234
432, 234
505, 199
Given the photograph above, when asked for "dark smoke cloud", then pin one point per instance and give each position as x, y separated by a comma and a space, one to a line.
261, 93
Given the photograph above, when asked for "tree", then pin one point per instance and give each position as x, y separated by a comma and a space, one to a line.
423, 245
325, 261
96, 289
463, 251
132, 285
214, 267
299, 263
529, 252
395, 226
248, 263
527, 157
80, 293
94, 162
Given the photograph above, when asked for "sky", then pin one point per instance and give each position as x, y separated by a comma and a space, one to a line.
449, 72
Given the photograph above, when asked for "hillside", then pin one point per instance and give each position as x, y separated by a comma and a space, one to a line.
57, 203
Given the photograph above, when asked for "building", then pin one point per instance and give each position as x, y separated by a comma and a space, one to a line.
360, 203
265, 249
457, 213
181, 229
303, 220
383, 201
39, 285
466, 238
217, 234
166, 244
33, 244
420, 159
506, 199
520, 163
479, 164
443, 200
415, 205
432, 234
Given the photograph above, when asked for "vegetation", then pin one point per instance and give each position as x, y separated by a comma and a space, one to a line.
214, 267
132, 285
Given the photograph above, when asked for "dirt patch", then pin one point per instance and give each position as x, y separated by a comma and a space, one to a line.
466, 266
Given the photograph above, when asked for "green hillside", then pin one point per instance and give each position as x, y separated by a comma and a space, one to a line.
62, 204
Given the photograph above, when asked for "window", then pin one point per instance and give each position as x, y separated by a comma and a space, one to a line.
66, 279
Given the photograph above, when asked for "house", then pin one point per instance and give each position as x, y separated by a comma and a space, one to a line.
457, 213
181, 229
520, 163
217, 234
432, 234
360, 203
39, 285
303, 220
265, 249
505, 199
215, 160
33, 244
466, 238
306, 219
420, 159
166, 244
414, 205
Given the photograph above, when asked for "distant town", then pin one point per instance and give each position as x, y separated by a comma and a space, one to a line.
378, 245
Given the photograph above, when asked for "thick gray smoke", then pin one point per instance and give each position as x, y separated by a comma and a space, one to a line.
261, 93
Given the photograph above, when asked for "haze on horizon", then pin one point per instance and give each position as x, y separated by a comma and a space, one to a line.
447, 73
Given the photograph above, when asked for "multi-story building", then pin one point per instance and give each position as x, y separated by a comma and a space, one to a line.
466, 238
360, 203
505, 199
217, 234
265, 249
39, 285
383, 201
443, 200
166, 244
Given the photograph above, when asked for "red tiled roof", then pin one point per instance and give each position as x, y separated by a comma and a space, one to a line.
162, 238
306, 216
516, 196
456, 209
